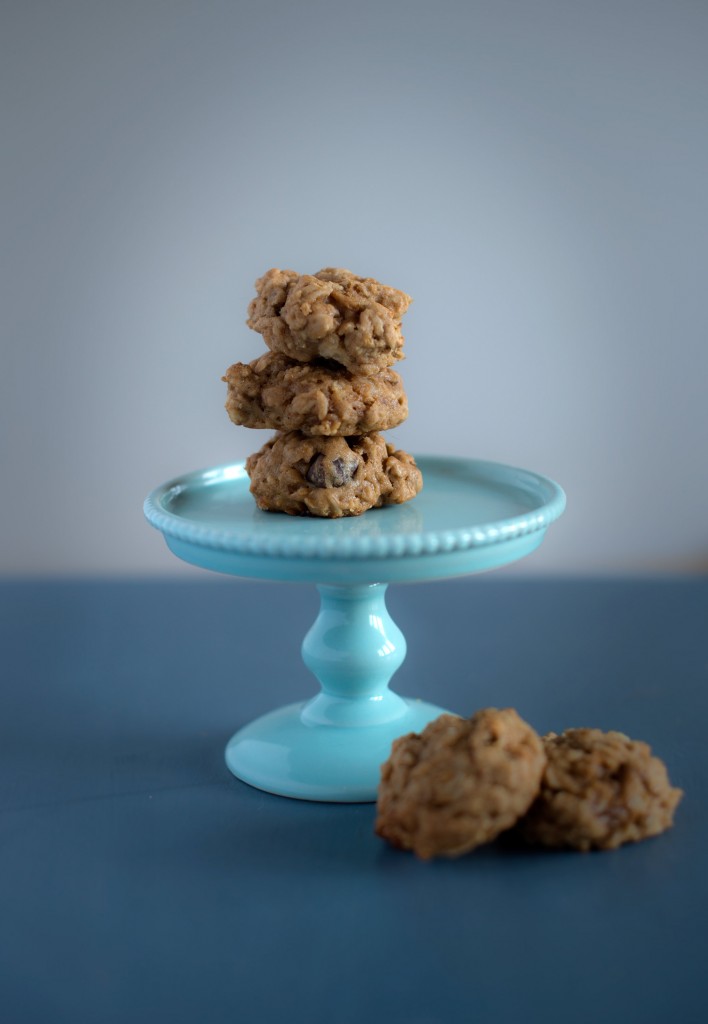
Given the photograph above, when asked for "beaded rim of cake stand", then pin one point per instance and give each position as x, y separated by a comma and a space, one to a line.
549, 494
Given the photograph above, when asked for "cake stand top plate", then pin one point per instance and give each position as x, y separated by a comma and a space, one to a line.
471, 516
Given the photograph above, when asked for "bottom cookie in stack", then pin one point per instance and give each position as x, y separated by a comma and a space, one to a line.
331, 476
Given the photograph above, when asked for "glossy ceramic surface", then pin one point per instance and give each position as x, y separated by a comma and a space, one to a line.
281, 754
332, 747
471, 516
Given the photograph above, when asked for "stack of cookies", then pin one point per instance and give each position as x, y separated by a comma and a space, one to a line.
327, 388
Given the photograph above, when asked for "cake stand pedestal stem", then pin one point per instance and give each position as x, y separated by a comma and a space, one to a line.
332, 746
353, 649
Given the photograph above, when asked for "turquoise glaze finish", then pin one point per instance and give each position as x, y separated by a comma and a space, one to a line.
471, 516
353, 648
332, 746
284, 754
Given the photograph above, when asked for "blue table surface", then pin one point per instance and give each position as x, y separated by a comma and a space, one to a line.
139, 881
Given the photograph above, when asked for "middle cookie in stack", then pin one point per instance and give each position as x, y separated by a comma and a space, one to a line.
326, 386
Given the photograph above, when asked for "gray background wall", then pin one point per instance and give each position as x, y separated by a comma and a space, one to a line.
533, 173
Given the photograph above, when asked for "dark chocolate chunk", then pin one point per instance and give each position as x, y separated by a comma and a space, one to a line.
341, 473
335, 473
315, 472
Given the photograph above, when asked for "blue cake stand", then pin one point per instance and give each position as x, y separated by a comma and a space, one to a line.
470, 516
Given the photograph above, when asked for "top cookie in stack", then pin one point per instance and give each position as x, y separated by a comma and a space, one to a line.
332, 314
326, 386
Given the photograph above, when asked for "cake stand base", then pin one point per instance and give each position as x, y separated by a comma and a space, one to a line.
285, 753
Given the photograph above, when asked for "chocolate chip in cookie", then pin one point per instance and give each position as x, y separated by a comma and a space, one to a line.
337, 472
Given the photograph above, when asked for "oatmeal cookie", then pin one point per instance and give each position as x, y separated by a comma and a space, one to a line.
316, 398
599, 790
459, 783
332, 314
330, 476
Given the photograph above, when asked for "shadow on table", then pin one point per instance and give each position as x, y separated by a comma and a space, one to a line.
265, 833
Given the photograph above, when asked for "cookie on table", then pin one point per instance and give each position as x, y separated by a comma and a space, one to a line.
278, 393
459, 783
599, 790
333, 314
330, 476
